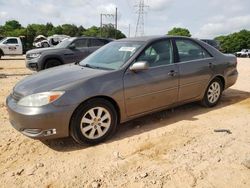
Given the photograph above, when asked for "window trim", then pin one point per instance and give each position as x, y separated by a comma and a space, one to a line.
152, 43
192, 41
87, 43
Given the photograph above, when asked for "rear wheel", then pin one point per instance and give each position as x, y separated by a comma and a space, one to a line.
93, 122
52, 63
213, 93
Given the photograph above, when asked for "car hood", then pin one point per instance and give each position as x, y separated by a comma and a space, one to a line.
41, 50
53, 78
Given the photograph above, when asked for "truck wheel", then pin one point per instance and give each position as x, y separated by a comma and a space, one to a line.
93, 122
1, 54
52, 63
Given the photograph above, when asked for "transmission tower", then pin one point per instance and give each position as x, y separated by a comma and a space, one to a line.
140, 20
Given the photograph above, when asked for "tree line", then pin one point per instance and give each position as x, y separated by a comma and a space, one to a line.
15, 29
229, 43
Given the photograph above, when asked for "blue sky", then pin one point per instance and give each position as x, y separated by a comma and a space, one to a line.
204, 18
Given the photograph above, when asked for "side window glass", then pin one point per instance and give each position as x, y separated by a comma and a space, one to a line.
189, 50
158, 54
96, 42
11, 41
82, 43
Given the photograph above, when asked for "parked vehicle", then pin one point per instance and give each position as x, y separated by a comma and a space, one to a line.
11, 46
68, 51
213, 43
123, 80
243, 53
43, 42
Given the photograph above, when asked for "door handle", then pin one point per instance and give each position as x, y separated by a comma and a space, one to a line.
211, 65
68, 54
172, 73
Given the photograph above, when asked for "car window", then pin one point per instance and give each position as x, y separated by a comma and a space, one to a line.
96, 42
189, 50
158, 54
81, 43
113, 55
11, 41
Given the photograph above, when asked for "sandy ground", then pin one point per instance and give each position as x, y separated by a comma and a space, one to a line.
173, 148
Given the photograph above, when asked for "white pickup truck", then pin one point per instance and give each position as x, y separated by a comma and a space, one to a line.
11, 46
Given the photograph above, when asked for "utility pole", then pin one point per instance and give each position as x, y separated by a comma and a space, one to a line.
107, 21
101, 26
140, 20
129, 30
115, 22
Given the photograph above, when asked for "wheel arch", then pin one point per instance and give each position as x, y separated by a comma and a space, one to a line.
51, 58
1, 52
222, 79
107, 98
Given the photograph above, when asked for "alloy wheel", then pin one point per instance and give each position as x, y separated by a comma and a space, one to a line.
95, 122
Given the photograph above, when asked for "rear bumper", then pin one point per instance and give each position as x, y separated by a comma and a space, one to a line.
45, 122
231, 79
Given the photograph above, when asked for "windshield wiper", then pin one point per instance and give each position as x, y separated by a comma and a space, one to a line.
96, 67
89, 66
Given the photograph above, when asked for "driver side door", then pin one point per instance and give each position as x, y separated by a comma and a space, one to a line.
156, 87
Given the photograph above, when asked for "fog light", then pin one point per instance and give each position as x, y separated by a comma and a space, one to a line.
49, 132
32, 131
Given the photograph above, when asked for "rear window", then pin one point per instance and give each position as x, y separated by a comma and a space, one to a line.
189, 50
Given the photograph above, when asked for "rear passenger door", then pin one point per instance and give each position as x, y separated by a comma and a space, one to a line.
195, 71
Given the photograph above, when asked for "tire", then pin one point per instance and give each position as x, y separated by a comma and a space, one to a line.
1, 54
213, 93
93, 122
52, 63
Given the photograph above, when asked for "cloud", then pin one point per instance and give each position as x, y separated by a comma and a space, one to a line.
50, 10
224, 26
107, 9
3, 14
159, 5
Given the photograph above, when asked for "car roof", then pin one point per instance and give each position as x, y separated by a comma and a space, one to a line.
86, 37
151, 38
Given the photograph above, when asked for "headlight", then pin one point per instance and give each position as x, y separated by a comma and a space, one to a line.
34, 55
40, 99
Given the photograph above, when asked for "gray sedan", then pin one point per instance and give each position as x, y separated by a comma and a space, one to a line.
123, 80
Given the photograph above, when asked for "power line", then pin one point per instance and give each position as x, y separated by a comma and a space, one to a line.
140, 20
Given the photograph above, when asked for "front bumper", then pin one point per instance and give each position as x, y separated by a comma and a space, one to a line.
44, 122
32, 64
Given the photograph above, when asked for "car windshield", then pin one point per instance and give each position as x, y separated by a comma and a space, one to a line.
65, 43
112, 56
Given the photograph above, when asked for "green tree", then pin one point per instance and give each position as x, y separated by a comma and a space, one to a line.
12, 25
69, 29
178, 31
235, 41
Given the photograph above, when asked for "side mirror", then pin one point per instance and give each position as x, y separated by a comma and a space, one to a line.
139, 66
72, 46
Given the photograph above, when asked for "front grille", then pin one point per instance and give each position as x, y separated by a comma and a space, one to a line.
16, 96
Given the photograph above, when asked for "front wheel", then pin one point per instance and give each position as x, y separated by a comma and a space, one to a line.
213, 93
93, 122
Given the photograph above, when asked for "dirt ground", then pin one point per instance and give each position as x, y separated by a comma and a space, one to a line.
173, 148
